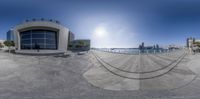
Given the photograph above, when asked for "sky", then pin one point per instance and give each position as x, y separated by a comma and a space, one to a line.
112, 23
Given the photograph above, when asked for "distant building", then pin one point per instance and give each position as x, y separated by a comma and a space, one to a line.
142, 44
71, 37
80, 44
193, 44
190, 42
197, 40
10, 35
173, 46
142, 47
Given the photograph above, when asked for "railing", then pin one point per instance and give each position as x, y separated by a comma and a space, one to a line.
136, 51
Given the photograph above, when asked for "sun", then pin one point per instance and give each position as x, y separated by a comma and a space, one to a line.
100, 31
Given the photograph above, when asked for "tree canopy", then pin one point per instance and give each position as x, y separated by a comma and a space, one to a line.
9, 43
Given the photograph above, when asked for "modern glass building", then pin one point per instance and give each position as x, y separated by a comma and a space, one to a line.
43, 35
10, 35
71, 37
80, 44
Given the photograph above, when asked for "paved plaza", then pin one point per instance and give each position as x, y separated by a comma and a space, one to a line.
160, 76
141, 72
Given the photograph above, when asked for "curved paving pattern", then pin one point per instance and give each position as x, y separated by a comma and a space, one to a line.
147, 62
133, 72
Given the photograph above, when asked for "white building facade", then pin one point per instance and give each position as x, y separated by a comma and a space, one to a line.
41, 35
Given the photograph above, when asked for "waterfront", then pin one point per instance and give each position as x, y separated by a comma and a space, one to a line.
135, 51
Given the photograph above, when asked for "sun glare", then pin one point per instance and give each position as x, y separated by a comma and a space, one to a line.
100, 31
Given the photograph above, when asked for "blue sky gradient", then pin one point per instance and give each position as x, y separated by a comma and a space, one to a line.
127, 22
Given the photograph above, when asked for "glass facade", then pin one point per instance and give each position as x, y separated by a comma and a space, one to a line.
10, 35
38, 39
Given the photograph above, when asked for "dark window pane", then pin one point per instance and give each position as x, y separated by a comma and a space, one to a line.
37, 41
50, 32
40, 46
38, 35
50, 36
26, 33
26, 41
27, 36
38, 31
50, 41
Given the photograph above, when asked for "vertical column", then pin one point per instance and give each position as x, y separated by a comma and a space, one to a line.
18, 40
31, 39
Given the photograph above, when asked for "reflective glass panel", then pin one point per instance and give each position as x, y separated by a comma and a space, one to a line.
38, 39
